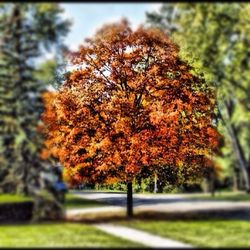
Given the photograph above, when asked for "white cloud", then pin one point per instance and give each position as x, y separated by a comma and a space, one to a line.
74, 46
154, 6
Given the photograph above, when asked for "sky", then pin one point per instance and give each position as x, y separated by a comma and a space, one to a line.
88, 17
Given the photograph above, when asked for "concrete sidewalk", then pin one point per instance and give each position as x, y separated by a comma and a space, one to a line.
141, 237
95, 210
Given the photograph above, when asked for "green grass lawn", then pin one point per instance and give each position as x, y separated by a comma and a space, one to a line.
73, 201
200, 233
58, 235
7, 198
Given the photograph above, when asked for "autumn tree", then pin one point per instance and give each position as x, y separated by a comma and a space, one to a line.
216, 36
130, 102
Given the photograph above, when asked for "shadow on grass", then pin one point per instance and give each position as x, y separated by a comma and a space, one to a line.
237, 214
112, 217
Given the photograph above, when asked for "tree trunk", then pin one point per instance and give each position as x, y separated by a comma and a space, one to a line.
248, 174
238, 150
129, 199
205, 185
236, 180
242, 160
155, 184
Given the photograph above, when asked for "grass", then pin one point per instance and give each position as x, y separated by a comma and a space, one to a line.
71, 201
8, 198
200, 233
230, 196
58, 235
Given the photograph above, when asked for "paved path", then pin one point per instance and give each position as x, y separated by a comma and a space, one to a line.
167, 203
148, 200
140, 237
97, 210
119, 199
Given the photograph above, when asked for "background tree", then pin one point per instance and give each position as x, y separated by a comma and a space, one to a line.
166, 178
217, 36
27, 31
130, 102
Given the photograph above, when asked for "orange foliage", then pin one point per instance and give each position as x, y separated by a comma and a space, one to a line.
131, 103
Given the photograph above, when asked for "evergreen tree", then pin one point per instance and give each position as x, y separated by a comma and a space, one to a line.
217, 36
27, 30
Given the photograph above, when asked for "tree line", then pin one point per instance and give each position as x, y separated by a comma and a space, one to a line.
215, 38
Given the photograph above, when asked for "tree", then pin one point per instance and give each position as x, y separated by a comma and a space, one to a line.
27, 30
129, 103
216, 37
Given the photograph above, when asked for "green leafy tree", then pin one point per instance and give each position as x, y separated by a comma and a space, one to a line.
27, 31
217, 37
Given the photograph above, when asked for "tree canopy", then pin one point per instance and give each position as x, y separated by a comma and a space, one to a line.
129, 102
